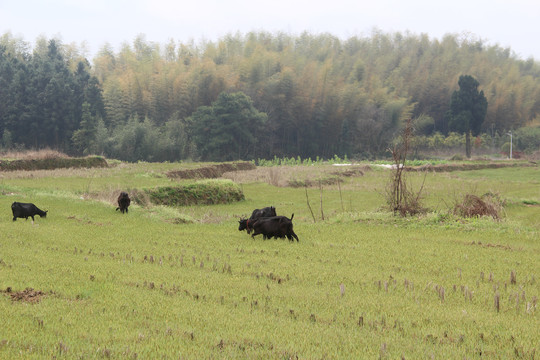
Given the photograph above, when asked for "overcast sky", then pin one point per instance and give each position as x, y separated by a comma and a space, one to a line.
508, 23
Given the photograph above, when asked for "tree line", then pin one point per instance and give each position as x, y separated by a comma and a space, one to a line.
255, 95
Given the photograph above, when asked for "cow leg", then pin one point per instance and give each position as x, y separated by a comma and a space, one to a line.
14, 218
294, 235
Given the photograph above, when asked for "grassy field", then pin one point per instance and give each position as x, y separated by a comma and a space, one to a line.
184, 283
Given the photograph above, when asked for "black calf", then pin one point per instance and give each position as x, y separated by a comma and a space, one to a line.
25, 210
123, 202
276, 226
246, 224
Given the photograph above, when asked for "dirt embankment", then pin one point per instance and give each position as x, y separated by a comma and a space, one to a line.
52, 163
210, 172
465, 167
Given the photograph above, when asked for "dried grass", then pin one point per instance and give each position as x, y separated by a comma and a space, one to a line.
475, 206
33, 154
211, 171
295, 176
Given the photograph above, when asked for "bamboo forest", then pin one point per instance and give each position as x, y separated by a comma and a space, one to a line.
261, 95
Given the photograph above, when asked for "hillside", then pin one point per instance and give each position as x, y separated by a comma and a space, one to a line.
319, 95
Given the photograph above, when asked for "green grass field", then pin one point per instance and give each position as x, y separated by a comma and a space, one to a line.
185, 283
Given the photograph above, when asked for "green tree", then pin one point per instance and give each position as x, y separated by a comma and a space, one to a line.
85, 137
468, 108
177, 140
136, 140
227, 130
53, 110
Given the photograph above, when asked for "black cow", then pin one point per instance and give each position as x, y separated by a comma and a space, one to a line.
245, 224
123, 202
275, 226
25, 210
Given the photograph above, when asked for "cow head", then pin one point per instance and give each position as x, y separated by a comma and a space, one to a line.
242, 224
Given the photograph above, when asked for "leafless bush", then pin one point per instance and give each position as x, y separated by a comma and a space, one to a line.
488, 204
400, 198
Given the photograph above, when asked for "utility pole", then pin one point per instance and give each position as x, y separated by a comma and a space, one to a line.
492, 136
510, 133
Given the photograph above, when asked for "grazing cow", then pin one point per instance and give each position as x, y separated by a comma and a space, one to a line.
123, 202
275, 226
245, 224
25, 210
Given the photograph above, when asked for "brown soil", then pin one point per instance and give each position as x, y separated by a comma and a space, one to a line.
464, 167
27, 295
353, 171
479, 243
210, 172
52, 163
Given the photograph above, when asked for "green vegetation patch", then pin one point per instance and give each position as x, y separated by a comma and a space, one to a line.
207, 192
52, 163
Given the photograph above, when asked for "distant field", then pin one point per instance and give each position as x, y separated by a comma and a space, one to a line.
183, 282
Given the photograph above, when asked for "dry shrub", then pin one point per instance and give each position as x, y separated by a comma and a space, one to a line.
475, 206
411, 205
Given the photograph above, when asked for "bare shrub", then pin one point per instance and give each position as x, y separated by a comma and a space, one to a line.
400, 198
488, 204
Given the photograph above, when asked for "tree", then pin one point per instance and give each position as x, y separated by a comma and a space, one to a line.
468, 109
84, 138
227, 130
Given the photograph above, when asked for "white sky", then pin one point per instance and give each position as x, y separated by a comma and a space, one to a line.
508, 23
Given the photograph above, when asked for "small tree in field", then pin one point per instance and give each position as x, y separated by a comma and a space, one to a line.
399, 197
468, 108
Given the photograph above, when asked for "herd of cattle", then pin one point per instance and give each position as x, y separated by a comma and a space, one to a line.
26, 210
266, 222
262, 221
